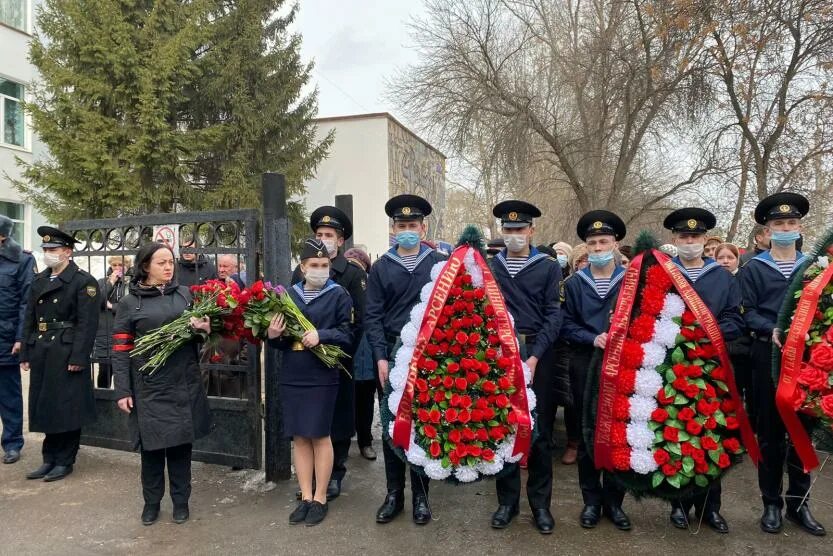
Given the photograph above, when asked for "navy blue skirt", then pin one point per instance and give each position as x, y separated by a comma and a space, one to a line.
308, 410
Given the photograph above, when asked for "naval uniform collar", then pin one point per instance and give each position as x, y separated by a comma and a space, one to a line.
709, 264
299, 289
534, 257
766, 258
586, 275
424, 251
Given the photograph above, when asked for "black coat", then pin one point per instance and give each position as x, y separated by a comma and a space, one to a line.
198, 271
17, 270
112, 293
60, 400
170, 406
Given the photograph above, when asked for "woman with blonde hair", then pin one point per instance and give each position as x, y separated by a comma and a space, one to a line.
578, 258
113, 288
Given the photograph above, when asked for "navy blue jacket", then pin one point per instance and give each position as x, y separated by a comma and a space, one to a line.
532, 297
586, 315
392, 291
720, 291
331, 313
763, 288
17, 270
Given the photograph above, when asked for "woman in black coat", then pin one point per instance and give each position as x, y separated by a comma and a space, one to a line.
168, 409
111, 289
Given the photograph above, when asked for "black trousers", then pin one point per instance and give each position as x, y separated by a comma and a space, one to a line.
341, 450
105, 374
772, 437
539, 464
366, 392
597, 488
708, 501
61, 448
178, 459
395, 473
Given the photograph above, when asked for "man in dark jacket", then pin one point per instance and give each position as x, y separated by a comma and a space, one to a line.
16, 273
333, 227
761, 244
192, 269
58, 334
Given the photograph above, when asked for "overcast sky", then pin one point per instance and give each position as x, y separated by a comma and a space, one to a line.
355, 44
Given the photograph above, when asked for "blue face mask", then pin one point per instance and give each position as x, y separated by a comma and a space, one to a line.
562, 260
600, 259
784, 239
407, 240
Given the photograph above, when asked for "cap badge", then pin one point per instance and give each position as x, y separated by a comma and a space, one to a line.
320, 253
784, 208
513, 216
597, 225
47, 238
406, 210
692, 224
325, 219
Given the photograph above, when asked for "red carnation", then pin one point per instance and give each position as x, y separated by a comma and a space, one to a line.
489, 414
494, 340
502, 401
453, 367
652, 301
461, 338
477, 320
694, 371
435, 381
671, 434
432, 350
468, 435
423, 415
491, 353
448, 382
464, 416
429, 431
482, 435
686, 414
663, 399
642, 328
461, 383
627, 381
706, 408
728, 405
489, 310
476, 415
621, 408
658, 278
679, 384
718, 373
661, 457
430, 365
732, 445
438, 335
687, 448
455, 436
423, 397
723, 461
732, 423
701, 467
680, 370
619, 434
421, 385
710, 424
435, 416
693, 427
691, 391
699, 456
451, 414
474, 339
471, 378
659, 415
632, 354
487, 454
496, 433
465, 402
708, 443
504, 383
621, 458
504, 363
669, 470
688, 318
435, 449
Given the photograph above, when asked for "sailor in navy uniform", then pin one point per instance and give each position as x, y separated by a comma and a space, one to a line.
764, 281
333, 227
529, 281
309, 387
393, 288
588, 299
721, 293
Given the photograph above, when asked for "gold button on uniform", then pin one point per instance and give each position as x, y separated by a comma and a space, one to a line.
55, 300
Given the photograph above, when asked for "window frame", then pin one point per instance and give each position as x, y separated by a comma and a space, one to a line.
27, 19
25, 146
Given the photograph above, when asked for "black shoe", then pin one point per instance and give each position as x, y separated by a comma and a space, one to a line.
503, 516
771, 519
679, 518
181, 513
58, 472
368, 452
41, 471
150, 514
12, 456
806, 521
299, 514
590, 516
333, 490
543, 520
618, 517
716, 521
316, 514
422, 513
392, 506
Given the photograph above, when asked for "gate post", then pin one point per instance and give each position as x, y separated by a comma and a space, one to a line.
276, 266
345, 204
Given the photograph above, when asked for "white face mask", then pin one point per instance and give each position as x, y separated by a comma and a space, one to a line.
317, 277
331, 245
52, 259
515, 242
690, 251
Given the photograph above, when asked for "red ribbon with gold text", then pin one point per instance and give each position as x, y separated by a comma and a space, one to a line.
603, 448
710, 325
791, 359
509, 348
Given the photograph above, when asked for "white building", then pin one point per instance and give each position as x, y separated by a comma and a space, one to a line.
16, 138
373, 158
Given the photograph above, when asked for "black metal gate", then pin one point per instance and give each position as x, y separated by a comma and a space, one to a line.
232, 374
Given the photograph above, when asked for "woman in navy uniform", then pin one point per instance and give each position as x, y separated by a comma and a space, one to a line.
589, 296
58, 335
721, 293
529, 281
764, 281
168, 409
393, 288
333, 228
308, 387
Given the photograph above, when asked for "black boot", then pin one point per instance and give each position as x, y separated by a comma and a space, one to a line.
618, 517
543, 520
150, 514
181, 513
806, 521
503, 516
422, 513
679, 517
716, 521
41, 471
333, 489
392, 506
590, 516
58, 472
771, 521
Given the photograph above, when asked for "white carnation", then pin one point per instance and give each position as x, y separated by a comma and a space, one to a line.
425, 292
665, 332
409, 335
434, 470
642, 461
639, 435
473, 269
403, 357
398, 377
674, 306
418, 312
531, 398
527, 373
642, 407
648, 382
436, 269
490, 467
390, 429
822, 261
393, 401
465, 474
416, 455
654, 355
504, 449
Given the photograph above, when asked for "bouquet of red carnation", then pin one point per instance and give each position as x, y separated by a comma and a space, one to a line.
668, 416
805, 365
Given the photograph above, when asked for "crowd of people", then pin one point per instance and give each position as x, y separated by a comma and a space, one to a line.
560, 297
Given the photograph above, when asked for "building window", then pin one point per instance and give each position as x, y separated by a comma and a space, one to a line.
16, 212
13, 13
11, 112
